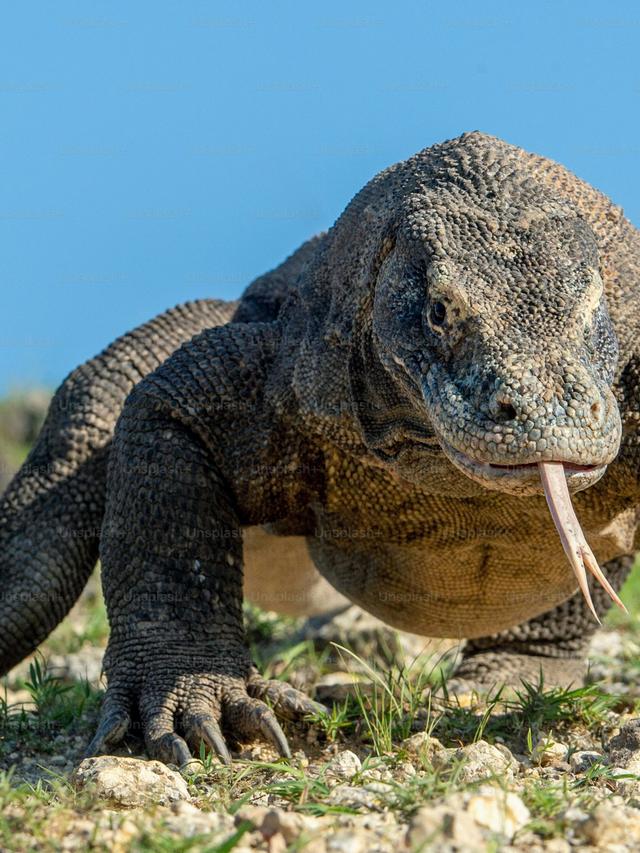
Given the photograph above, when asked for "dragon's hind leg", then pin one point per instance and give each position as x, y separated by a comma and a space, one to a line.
51, 512
554, 644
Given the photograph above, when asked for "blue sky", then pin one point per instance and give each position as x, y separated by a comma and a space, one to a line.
157, 152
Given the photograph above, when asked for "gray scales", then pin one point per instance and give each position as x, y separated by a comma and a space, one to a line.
374, 420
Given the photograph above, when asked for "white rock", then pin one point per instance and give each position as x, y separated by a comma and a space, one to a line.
425, 747
583, 759
272, 822
549, 753
383, 789
187, 820
345, 765
556, 845
574, 815
482, 760
131, 781
498, 811
445, 823
611, 826
252, 813
348, 841
289, 824
78, 836
373, 775
632, 765
354, 798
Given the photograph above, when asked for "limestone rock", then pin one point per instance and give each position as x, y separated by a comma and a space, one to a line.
498, 811
272, 821
354, 798
482, 760
131, 781
348, 841
289, 824
549, 752
187, 820
445, 823
425, 747
345, 765
583, 759
611, 826
624, 748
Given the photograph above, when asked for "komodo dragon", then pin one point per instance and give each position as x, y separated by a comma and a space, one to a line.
395, 410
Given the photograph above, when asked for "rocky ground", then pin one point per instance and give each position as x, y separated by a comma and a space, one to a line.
397, 764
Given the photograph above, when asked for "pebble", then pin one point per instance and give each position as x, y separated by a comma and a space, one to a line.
557, 845
354, 798
131, 781
549, 753
272, 821
426, 748
79, 835
482, 760
498, 811
187, 820
348, 841
345, 765
444, 823
624, 748
583, 759
466, 819
611, 826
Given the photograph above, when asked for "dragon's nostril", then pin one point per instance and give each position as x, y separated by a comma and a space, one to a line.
508, 411
502, 408
595, 409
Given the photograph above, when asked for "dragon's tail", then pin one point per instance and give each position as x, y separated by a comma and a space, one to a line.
51, 512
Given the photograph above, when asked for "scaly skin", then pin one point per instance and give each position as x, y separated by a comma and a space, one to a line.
51, 513
474, 307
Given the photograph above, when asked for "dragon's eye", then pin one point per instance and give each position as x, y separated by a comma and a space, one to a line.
438, 313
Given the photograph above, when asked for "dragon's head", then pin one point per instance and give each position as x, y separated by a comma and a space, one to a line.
492, 324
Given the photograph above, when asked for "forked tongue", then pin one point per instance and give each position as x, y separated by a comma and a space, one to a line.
575, 545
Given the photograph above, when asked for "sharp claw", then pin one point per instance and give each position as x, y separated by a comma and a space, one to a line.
167, 746
212, 735
298, 706
286, 701
110, 731
179, 750
270, 728
576, 547
319, 708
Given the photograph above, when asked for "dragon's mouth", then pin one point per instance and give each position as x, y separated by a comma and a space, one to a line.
523, 478
568, 466
555, 479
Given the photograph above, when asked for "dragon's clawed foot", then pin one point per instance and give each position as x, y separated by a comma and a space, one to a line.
487, 671
178, 712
